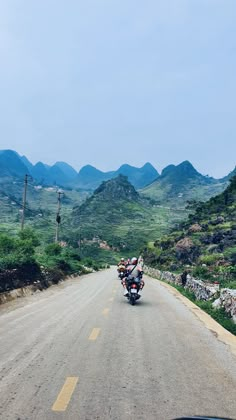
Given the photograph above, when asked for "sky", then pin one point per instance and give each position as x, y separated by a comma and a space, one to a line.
107, 82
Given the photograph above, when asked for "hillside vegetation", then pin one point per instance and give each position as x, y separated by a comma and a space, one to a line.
24, 260
182, 183
205, 244
41, 207
116, 216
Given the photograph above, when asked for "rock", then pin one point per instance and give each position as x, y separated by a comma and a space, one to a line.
228, 301
186, 251
216, 304
184, 244
200, 289
195, 228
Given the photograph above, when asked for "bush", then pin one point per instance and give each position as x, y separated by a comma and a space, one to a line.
63, 265
53, 249
7, 244
210, 259
29, 235
201, 273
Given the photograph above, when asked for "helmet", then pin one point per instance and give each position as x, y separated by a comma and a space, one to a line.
134, 260
122, 259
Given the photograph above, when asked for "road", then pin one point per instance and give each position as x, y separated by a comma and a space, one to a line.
80, 351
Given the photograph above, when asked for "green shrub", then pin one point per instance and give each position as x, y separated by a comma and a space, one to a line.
7, 244
63, 265
210, 259
53, 249
201, 273
29, 235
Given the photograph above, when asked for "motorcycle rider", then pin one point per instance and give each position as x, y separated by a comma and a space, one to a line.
133, 271
121, 262
121, 267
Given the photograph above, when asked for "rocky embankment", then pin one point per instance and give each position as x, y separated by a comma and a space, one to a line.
30, 289
47, 279
225, 298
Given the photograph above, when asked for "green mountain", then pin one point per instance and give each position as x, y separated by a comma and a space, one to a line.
205, 243
182, 183
116, 214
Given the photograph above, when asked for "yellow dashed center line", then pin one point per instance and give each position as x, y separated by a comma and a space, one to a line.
65, 394
105, 311
94, 334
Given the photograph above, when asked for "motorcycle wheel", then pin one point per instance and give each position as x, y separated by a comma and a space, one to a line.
132, 300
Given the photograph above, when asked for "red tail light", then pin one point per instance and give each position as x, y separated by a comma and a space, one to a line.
134, 286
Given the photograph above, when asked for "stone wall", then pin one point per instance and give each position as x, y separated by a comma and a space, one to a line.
227, 300
201, 290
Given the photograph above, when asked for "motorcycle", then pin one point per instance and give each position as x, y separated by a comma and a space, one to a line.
121, 275
121, 270
133, 286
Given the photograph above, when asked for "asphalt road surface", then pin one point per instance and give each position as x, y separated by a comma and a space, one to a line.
79, 350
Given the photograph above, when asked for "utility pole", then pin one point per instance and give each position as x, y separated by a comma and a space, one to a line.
58, 217
24, 201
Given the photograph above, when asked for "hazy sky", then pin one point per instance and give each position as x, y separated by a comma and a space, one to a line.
112, 81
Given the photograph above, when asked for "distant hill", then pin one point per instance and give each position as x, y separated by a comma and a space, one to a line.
11, 164
68, 171
50, 175
90, 177
114, 213
62, 174
27, 163
39, 172
175, 186
181, 183
109, 201
205, 243
139, 177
